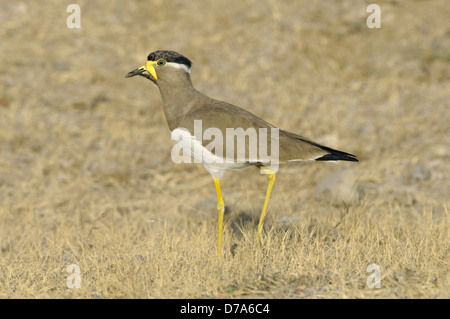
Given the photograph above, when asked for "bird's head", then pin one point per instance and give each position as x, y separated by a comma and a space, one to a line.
162, 65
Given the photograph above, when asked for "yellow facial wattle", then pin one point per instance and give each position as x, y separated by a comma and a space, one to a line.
149, 66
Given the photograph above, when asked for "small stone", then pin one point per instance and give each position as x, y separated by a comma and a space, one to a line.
419, 173
338, 186
288, 220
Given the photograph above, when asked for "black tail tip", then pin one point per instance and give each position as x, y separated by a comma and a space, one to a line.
338, 157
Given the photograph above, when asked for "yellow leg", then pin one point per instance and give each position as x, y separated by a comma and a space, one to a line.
271, 176
220, 210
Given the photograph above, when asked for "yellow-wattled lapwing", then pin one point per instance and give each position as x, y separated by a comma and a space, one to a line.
194, 119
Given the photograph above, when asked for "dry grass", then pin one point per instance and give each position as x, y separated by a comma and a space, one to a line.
86, 176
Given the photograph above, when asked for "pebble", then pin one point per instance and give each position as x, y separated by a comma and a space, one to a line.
338, 186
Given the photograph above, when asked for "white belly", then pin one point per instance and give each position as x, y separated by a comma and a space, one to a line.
215, 165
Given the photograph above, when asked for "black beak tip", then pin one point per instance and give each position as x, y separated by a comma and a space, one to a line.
134, 72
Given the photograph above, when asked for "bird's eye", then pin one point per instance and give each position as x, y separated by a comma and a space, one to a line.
161, 62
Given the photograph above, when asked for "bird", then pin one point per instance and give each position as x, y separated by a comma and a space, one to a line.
195, 118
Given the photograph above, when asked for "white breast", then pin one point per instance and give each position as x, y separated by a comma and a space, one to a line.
193, 147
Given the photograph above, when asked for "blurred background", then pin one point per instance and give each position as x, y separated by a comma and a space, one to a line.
78, 139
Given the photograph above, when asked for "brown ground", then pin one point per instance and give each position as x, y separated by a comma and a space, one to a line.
86, 176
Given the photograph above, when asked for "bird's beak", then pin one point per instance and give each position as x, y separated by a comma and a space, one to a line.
144, 70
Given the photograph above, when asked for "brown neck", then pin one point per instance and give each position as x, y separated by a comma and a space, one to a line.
178, 97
